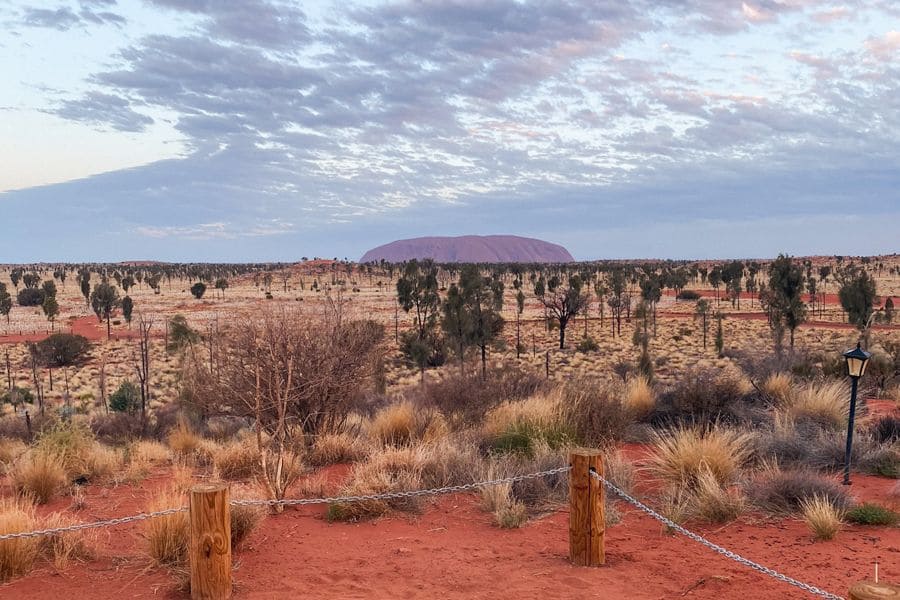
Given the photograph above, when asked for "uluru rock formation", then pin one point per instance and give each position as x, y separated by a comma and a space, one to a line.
471, 248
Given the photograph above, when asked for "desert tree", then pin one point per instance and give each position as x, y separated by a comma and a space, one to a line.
887, 317
456, 323
641, 338
562, 303
84, 283
6, 302
222, 285
715, 279
127, 309
857, 295
104, 301
701, 311
601, 290
127, 283
15, 276
617, 295
651, 293
418, 295
782, 298
50, 307
482, 299
720, 334
520, 308
142, 365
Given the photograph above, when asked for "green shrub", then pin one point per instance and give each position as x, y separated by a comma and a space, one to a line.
688, 295
126, 399
30, 297
181, 334
872, 514
17, 396
198, 289
62, 349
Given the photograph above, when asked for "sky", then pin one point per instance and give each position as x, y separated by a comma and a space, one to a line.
268, 130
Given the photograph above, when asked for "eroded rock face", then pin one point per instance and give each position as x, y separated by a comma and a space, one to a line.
471, 248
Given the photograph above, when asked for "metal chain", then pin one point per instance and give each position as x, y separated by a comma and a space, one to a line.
715, 547
397, 495
285, 502
93, 525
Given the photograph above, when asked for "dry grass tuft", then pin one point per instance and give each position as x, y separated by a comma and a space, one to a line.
713, 502
236, 461
244, 521
333, 448
403, 423
62, 548
778, 386
17, 555
682, 455
823, 403
639, 398
168, 536
822, 517
183, 441
39, 476
10, 450
149, 451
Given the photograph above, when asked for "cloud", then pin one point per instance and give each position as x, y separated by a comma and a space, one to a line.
64, 18
886, 46
104, 109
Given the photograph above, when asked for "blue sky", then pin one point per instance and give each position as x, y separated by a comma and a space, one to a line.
268, 130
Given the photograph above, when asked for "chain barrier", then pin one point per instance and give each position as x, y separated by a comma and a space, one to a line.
450, 489
287, 502
715, 547
93, 525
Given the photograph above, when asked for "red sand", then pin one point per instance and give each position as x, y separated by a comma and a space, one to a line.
453, 552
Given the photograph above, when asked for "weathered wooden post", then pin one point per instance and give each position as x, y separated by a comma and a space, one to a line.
210, 549
869, 590
586, 509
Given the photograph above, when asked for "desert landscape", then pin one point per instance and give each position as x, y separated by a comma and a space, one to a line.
369, 378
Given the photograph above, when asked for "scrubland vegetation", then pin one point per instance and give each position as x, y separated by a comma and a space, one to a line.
271, 399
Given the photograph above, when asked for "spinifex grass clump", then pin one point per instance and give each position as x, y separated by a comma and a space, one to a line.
39, 476
16, 555
682, 455
823, 518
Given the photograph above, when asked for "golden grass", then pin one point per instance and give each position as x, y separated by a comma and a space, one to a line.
713, 502
402, 423
183, 441
541, 412
63, 548
779, 386
333, 448
149, 451
10, 450
17, 555
236, 461
167, 536
78, 452
822, 517
638, 397
826, 403
682, 455
39, 476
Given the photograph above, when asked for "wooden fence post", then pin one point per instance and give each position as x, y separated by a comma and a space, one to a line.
868, 590
210, 549
586, 509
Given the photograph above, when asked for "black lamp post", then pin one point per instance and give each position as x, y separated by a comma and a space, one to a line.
857, 358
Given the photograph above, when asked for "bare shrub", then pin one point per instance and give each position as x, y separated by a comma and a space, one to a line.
705, 397
244, 521
782, 492
596, 411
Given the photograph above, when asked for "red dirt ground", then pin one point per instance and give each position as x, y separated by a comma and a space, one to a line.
453, 552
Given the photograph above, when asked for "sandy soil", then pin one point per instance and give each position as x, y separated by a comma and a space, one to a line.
452, 551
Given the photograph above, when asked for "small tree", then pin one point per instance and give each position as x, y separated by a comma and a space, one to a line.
888, 316
198, 289
127, 308
51, 310
104, 301
520, 308
126, 399
702, 311
720, 334
857, 295
782, 297
180, 334
562, 303
127, 283
5, 302
222, 285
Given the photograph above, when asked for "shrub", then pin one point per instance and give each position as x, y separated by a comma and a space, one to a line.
497, 500
705, 397
822, 517
681, 455
62, 349
887, 429
30, 297
784, 492
17, 396
688, 295
639, 398
872, 514
390, 471
16, 555
181, 334
39, 475
596, 411
587, 344
167, 536
126, 399
518, 425
78, 452
198, 289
